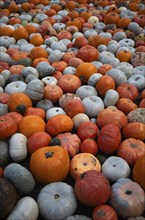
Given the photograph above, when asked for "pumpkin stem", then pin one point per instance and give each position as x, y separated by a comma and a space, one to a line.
49, 154
21, 108
82, 175
128, 192
56, 196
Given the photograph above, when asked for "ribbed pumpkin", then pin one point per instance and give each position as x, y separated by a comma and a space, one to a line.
20, 33
31, 124
134, 130
50, 164
59, 124
19, 102
138, 173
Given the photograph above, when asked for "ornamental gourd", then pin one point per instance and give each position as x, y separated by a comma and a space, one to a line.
50, 164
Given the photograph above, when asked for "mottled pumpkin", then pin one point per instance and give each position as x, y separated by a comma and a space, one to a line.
104, 212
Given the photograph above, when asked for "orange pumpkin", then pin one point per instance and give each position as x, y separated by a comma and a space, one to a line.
69, 83
50, 164
111, 18
104, 68
35, 111
142, 103
31, 124
36, 39
6, 31
74, 107
13, 7
138, 173
89, 145
20, 33
127, 90
134, 130
96, 40
124, 56
53, 93
38, 52
131, 150
104, 83
16, 116
123, 22
59, 124
88, 53
126, 105
111, 115
85, 70
19, 102
59, 65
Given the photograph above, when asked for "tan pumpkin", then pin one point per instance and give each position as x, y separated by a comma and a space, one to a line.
83, 162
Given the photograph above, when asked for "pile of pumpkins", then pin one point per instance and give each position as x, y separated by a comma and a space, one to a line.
72, 110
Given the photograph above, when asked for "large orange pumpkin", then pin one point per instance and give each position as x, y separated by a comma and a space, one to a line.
104, 83
138, 173
59, 124
31, 124
50, 164
134, 130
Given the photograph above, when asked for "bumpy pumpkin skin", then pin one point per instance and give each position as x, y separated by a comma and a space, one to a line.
89, 186
53, 166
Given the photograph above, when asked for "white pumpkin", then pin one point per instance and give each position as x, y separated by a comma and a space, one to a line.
85, 91
57, 201
79, 119
30, 71
93, 106
16, 86
114, 168
44, 69
54, 111
26, 208
55, 56
2, 81
49, 80
18, 147
44, 104
69, 70
111, 97
3, 109
93, 79
93, 20
118, 76
137, 80
35, 89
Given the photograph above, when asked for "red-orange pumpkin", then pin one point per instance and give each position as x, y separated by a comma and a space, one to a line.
109, 138
104, 212
8, 127
134, 130
88, 53
138, 173
131, 150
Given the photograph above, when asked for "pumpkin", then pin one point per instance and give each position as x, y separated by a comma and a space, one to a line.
111, 97
18, 147
127, 198
134, 130
16, 116
38, 140
96, 40
89, 145
136, 115
8, 127
35, 111
20, 177
138, 173
70, 142
69, 83
74, 107
104, 68
79, 118
20, 33
36, 123
25, 203
38, 52
103, 84
85, 70
19, 102
131, 150
111, 115
127, 91
53, 92
89, 186
54, 164
88, 53
104, 212
124, 55
109, 138
83, 162
111, 18
56, 201
8, 199
77, 217
87, 130
126, 105
115, 167
59, 124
